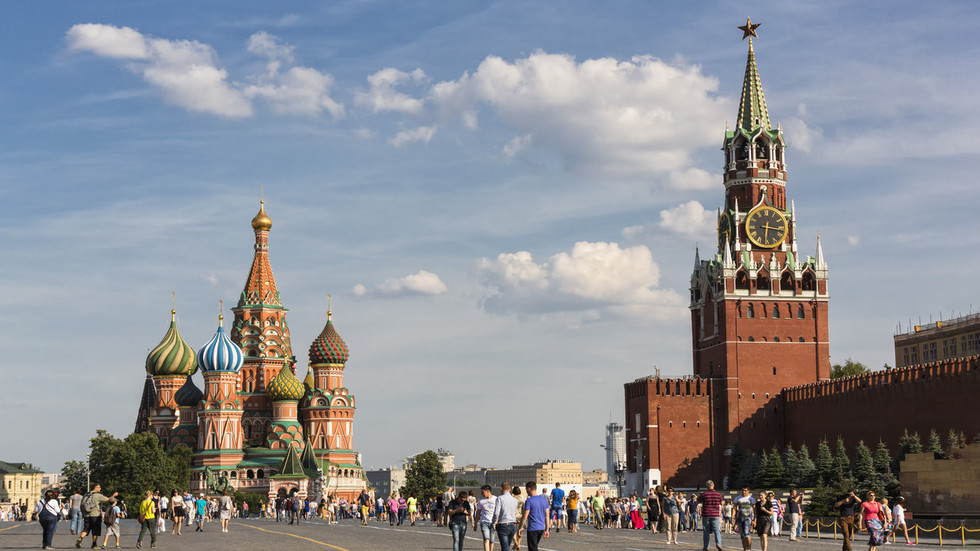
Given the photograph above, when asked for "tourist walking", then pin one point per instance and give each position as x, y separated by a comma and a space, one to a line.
873, 520
505, 517
91, 507
847, 507
535, 517
573, 502
597, 512
745, 517
48, 510
636, 520
179, 512
459, 518
557, 504
75, 512
413, 508
190, 507
363, 502
518, 532
764, 516
793, 506
898, 519
711, 502
653, 510
110, 517
201, 512
147, 520
671, 516
227, 505
485, 509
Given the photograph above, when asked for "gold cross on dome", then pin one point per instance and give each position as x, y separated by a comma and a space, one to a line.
749, 29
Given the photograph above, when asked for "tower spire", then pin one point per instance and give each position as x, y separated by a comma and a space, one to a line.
752, 110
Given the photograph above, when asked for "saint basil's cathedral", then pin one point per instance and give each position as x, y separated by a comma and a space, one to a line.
255, 426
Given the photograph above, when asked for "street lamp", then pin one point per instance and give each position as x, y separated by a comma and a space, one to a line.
88, 467
620, 472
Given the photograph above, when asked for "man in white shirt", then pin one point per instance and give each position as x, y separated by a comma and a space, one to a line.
505, 517
486, 507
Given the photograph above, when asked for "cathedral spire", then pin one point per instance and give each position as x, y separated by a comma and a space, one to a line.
260, 287
820, 264
752, 110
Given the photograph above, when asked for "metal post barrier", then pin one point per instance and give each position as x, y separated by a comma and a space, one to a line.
915, 529
963, 535
939, 528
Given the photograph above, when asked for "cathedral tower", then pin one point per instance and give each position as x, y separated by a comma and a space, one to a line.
169, 364
220, 420
758, 308
328, 410
261, 331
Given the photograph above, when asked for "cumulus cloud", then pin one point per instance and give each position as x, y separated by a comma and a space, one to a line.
594, 279
798, 134
636, 117
688, 219
382, 95
187, 72
420, 134
423, 283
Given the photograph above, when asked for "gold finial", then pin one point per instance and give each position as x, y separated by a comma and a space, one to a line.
261, 220
221, 309
173, 305
748, 30
329, 313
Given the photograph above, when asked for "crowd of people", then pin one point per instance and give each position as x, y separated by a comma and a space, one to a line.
97, 515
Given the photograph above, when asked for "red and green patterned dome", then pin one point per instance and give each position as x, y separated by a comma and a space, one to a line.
328, 347
173, 356
285, 387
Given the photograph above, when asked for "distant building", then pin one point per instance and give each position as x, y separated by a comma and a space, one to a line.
942, 340
446, 457
470, 472
595, 478
615, 448
386, 481
20, 483
544, 473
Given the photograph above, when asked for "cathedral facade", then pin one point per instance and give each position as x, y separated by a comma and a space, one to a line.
255, 426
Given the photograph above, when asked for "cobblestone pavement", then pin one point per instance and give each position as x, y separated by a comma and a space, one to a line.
254, 534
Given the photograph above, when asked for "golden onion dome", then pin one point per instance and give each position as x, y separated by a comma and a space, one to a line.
285, 386
261, 220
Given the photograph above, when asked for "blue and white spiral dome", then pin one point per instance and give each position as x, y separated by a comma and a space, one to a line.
220, 354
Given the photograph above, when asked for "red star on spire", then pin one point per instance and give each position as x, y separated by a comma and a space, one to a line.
749, 29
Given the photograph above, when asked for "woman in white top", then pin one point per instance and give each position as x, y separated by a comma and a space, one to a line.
898, 519
48, 511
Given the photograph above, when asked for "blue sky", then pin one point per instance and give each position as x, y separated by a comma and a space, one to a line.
503, 197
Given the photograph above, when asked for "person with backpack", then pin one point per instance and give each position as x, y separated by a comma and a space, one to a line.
48, 510
147, 518
92, 515
110, 517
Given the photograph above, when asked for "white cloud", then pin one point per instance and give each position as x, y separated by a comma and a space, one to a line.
423, 283
382, 95
108, 41
694, 178
688, 219
637, 117
363, 133
186, 72
594, 279
800, 136
420, 134
853, 240
516, 145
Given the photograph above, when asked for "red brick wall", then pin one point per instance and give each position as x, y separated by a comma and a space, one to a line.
880, 405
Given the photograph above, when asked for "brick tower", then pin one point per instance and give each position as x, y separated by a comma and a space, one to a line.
169, 364
220, 419
261, 331
758, 310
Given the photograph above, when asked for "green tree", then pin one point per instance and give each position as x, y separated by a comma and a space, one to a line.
425, 477
74, 473
750, 469
735, 460
848, 369
883, 468
842, 465
137, 464
935, 445
825, 463
806, 468
954, 442
791, 467
864, 470
773, 472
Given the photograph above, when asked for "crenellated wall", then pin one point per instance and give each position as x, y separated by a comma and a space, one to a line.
882, 404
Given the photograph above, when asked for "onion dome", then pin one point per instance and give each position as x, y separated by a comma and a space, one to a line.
261, 220
188, 395
220, 354
328, 347
285, 387
308, 382
172, 356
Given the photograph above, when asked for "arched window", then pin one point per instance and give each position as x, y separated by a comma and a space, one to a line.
761, 149
786, 282
775, 311
260, 474
751, 339
250, 474
801, 339
809, 282
741, 149
799, 312
775, 339
750, 312
742, 281
763, 283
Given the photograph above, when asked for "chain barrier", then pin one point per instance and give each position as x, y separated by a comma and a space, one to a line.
914, 530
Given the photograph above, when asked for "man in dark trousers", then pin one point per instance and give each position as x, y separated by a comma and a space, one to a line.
847, 507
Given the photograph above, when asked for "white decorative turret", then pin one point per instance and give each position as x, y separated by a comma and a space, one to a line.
773, 263
727, 258
792, 207
821, 266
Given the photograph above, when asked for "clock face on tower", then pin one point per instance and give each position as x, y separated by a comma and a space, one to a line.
765, 227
